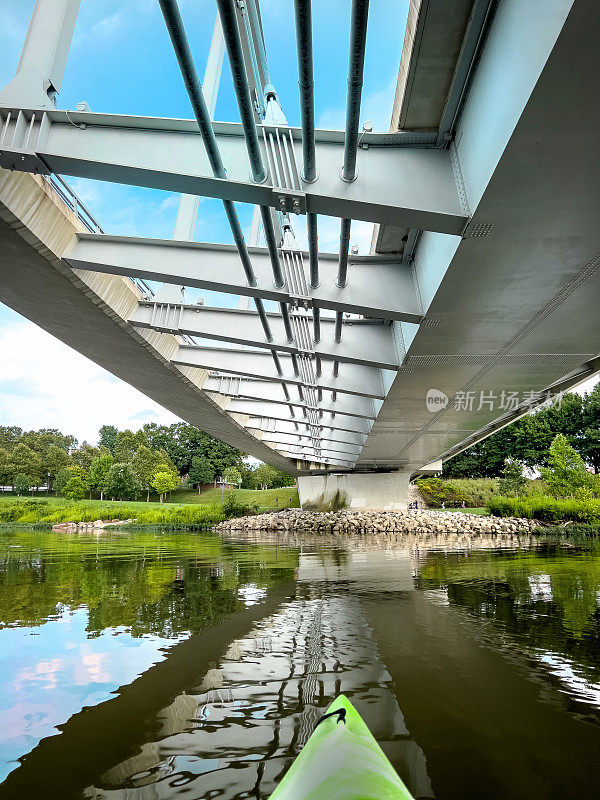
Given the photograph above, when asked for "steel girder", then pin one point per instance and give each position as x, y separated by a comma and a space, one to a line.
311, 458
272, 392
302, 440
397, 184
326, 434
381, 287
351, 378
367, 342
264, 408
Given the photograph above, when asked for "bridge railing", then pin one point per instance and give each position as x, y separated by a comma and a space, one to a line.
68, 195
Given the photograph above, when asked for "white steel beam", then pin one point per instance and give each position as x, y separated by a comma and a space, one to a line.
351, 378
380, 286
263, 408
301, 440
366, 342
312, 455
272, 392
276, 427
397, 184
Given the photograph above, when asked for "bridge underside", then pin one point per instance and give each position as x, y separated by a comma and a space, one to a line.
478, 302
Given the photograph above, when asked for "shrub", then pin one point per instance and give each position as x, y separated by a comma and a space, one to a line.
546, 509
235, 508
74, 489
436, 491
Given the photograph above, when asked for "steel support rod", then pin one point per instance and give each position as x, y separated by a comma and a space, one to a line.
303, 13
185, 60
316, 324
235, 52
256, 29
339, 319
342, 277
356, 63
313, 249
187, 212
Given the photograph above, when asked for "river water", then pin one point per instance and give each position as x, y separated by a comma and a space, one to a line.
143, 666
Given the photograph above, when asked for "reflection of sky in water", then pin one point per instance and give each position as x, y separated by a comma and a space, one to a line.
52, 671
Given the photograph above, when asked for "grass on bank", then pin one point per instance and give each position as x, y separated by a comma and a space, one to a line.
209, 511
483, 511
285, 497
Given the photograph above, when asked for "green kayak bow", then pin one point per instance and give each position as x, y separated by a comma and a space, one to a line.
341, 761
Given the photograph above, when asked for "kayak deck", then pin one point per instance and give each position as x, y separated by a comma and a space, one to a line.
341, 761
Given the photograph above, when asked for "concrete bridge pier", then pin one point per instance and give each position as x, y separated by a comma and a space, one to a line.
361, 490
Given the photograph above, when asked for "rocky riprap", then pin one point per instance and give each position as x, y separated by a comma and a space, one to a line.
426, 521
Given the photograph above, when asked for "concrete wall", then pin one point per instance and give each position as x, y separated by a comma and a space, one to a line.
368, 490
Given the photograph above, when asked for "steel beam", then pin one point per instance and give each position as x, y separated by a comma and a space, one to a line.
277, 427
397, 184
366, 342
263, 408
301, 440
381, 286
311, 456
351, 378
272, 392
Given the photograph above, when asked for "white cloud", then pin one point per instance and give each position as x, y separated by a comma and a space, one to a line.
109, 25
45, 384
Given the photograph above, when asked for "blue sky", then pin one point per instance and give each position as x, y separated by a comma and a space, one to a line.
121, 61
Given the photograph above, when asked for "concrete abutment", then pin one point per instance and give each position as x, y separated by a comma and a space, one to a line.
368, 490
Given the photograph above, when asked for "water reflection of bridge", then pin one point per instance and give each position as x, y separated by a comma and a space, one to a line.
238, 732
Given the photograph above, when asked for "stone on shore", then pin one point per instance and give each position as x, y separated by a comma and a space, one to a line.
417, 521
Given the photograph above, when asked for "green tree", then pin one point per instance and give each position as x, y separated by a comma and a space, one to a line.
145, 464
63, 476
74, 489
201, 471
126, 445
512, 480
566, 472
232, 475
98, 472
121, 482
182, 442
22, 483
10, 435
84, 455
165, 481
590, 439
5, 467
54, 459
24, 460
264, 476
107, 436
40, 440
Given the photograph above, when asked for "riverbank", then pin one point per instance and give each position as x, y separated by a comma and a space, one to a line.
376, 521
